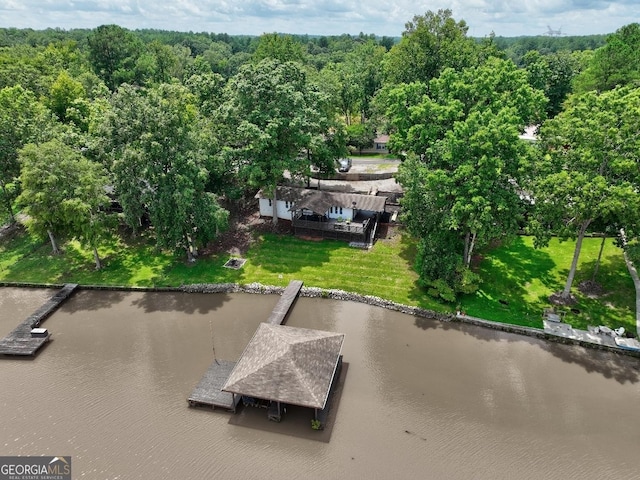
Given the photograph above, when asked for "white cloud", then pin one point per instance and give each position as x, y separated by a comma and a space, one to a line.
321, 17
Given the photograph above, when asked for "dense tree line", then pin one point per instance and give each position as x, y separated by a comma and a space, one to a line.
469, 182
174, 125
516, 48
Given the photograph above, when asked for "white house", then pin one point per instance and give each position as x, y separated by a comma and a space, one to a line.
332, 205
335, 214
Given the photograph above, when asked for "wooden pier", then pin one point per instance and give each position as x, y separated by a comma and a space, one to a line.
285, 303
208, 393
22, 341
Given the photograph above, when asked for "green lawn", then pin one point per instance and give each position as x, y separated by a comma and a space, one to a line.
275, 260
517, 279
523, 278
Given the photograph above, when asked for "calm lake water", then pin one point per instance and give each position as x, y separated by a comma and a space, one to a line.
421, 399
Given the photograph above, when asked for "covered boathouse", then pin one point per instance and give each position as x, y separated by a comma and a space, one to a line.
288, 365
344, 216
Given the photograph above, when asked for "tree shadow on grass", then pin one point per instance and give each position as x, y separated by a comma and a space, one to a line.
417, 294
511, 275
516, 265
504, 294
616, 302
125, 269
30, 260
408, 249
622, 368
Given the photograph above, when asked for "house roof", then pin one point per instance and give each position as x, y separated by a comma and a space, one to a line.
287, 364
319, 201
381, 139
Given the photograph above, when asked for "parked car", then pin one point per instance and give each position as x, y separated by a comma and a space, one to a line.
344, 164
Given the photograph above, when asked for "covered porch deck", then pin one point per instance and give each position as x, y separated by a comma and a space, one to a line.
358, 229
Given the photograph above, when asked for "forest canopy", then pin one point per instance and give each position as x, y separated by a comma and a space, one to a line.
176, 128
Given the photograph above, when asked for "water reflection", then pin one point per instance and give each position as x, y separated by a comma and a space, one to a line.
619, 367
16, 304
448, 401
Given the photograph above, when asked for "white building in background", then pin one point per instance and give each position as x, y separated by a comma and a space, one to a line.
348, 216
530, 133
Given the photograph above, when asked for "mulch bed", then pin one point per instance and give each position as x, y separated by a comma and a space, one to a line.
591, 288
244, 225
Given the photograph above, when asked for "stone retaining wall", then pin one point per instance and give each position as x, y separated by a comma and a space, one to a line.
356, 176
315, 292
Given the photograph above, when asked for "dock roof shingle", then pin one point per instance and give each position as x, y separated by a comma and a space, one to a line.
287, 364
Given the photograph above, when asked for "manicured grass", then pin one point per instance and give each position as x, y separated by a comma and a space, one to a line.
25, 259
523, 278
384, 271
517, 279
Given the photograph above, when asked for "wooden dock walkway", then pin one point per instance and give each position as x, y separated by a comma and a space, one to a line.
208, 393
20, 341
285, 303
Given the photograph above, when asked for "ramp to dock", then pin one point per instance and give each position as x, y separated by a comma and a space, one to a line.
20, 341
285, 303
208, 393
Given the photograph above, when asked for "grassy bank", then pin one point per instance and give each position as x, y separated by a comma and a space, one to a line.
517, 279
274, 260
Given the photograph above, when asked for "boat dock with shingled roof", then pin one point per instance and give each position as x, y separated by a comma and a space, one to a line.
208, 392
280, 366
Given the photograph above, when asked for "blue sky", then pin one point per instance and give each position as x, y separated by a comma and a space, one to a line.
322, 17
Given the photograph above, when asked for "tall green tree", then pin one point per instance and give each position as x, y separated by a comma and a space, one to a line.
366, 65
282, 48
617, 63
22, 120
341, 84
422, 115
360, 136
588, 170
36, 68
164, 61
158, 165
429, 44
466, 170
218, 57
272, 115
554, 74
113, 52
63, 193
64, 94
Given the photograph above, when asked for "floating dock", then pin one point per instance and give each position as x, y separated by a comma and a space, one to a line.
27, 338
285, 303
208, 393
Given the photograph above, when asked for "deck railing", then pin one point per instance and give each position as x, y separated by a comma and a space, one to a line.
333, 225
